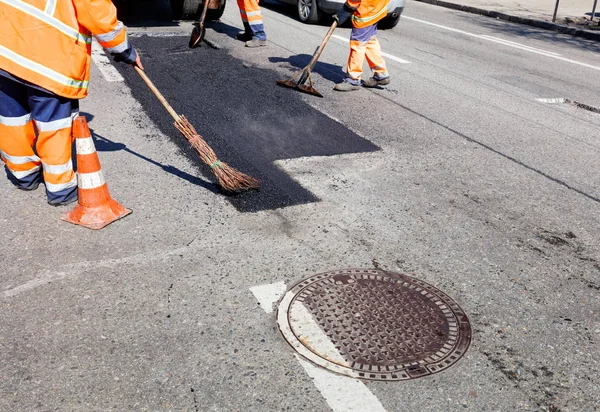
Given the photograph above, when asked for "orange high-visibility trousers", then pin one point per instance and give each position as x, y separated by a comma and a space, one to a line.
252, 19
35, 139
364, 43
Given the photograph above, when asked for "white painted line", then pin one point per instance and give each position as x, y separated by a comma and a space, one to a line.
342, 393
104, 65
389, 56
305, 325
131, 33
518, 45
555, 100
506, 43
267, 295
34, 283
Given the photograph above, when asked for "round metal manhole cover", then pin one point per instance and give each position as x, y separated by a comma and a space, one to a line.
373, 324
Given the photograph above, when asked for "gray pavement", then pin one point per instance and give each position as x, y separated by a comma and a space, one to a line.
572, 17
478, 188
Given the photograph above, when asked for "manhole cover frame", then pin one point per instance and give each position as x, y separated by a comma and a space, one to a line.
413, 370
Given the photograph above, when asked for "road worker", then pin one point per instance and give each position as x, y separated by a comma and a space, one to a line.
254, 28
45, 54
363, 42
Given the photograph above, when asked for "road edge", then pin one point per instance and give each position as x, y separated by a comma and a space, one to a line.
560, 28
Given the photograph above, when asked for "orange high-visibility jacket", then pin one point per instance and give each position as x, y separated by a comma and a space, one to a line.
367, 12
48, 42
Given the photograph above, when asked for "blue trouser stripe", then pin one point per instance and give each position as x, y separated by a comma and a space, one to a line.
17, 99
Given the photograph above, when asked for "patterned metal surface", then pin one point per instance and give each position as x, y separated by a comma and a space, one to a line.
373, 324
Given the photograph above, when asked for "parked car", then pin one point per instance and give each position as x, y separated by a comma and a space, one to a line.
312, 11
182, 9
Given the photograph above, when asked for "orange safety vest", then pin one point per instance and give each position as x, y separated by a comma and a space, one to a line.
367, 12
48, 42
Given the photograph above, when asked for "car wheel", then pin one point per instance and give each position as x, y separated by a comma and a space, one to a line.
215, 14
390, 21
185, 9
308, 11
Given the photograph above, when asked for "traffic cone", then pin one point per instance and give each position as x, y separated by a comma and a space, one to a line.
95, 208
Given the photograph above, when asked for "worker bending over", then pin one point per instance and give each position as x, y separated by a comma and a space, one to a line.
45, 54
363, 42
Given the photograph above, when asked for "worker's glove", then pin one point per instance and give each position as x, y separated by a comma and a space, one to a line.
128, 56
343, 14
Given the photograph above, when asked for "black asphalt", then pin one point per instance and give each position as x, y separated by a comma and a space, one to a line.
243, 115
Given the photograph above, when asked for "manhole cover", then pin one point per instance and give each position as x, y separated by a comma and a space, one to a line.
373, 324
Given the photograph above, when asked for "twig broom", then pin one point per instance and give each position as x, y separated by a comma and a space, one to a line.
230, 179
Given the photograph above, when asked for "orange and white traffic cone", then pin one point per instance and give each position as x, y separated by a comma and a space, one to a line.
95, 208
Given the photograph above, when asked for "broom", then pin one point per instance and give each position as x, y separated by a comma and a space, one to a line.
230, 179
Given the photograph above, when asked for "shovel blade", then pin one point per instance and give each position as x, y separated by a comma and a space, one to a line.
299, 84
197, 36
288, 83
309, 89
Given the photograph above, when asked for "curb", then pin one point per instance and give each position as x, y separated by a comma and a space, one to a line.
586, 34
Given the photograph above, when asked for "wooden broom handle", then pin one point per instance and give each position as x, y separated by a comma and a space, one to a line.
158, 94
317, 54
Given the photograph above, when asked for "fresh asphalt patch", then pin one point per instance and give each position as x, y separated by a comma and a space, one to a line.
243, 115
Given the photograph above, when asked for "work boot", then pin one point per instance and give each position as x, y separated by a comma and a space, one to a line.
376, 81
244, 36
256, 43
346, 86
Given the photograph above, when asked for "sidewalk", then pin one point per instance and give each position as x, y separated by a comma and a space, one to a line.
572, 17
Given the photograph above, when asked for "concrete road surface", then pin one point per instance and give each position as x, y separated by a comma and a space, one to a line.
476, 171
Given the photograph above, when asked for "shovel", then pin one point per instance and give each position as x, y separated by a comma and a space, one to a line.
199, 32
297, 82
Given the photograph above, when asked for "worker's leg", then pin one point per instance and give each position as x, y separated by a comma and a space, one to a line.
376, 63
252, 19
358, 48
53, 117
17, 135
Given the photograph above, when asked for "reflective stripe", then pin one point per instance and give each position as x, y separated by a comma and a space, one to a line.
51, 187
106, 37
85, 146
58, 169
48, 19
255, 22
24, 173
44, 71
50, 7
120, 48
90, 180
366, 19
15, 121
253, 13
19, 160
54, 125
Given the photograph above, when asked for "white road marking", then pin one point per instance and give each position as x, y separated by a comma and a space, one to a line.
342, 393
389, 56
104, 65
305, 325
517, 45
267, 295
554, 100
506, 43
34, 283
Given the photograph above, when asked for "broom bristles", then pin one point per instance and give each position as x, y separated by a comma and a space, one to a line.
229, 178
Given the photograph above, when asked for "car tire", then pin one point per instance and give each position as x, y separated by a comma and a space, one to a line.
215, 14
185, 9
390, 21
308, 11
